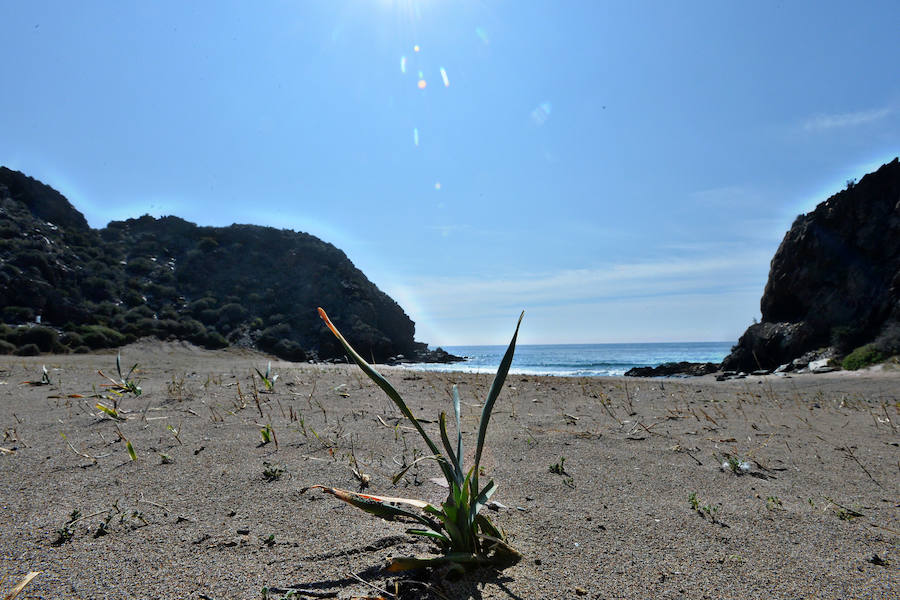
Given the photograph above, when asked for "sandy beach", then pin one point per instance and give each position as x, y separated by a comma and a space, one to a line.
640, 505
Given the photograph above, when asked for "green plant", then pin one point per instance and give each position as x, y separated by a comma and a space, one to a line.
559, 468
67, 531
862, 357
268, 379
272, 472
465, 536
45, 378
695, 502
774, 503
125, 385
268, 435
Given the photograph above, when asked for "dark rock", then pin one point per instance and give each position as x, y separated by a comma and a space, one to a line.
835, 279
670, 369
438, 355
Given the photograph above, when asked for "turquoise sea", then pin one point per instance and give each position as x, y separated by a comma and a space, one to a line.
579, 360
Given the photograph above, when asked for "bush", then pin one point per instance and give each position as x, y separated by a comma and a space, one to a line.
6, 347
213, 340
81, 350
71, 339
28, 350
43, 337
98, 336
862, 357
289, 350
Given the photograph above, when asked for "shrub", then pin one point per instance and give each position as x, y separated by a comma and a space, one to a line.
28, 350
862, 357
289, 350
98, 336
213, 340
43, 337
71, 339
6, 347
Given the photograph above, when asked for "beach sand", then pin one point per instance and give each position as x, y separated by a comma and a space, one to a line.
816, 516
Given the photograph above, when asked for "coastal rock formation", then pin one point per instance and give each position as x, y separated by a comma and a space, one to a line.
670, 369
214, 286
835, 279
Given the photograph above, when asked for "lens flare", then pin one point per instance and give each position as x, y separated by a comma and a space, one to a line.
444, 77
416, 48
422, 84
416, 136
403, 64
540, 114
437, 185
482, 35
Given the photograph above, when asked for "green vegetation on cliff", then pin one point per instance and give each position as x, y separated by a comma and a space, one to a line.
213, 286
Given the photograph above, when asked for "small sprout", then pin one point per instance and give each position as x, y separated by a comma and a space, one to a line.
774, 503
125, 385
130, 449
268, 435
110, 411
735, 465
165, 459
269, 541
272, 472
268, 379
67, 531
695, 502
44, 380
559, 468
175, 432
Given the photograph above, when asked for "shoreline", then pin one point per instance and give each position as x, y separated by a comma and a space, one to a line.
619, 523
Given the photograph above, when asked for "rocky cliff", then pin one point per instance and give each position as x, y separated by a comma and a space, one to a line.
169, 278
835, 279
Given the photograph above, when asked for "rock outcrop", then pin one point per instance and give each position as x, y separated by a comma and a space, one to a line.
674, 369
213, 286
835, 279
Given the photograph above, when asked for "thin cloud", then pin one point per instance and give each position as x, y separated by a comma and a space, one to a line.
449, 297
841, 120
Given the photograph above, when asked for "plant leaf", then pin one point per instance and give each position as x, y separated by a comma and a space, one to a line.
403, 471
482, 499
493, 394
459, 442
388, 389
381, 506
130, 449
109, 411
429, 533
407, 563
446, 441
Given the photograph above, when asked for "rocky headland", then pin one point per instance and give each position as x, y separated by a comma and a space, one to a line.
834, 283
67, 287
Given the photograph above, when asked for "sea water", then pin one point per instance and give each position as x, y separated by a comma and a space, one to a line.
579, 360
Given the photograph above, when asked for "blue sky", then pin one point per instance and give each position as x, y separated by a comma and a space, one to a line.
622, 171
